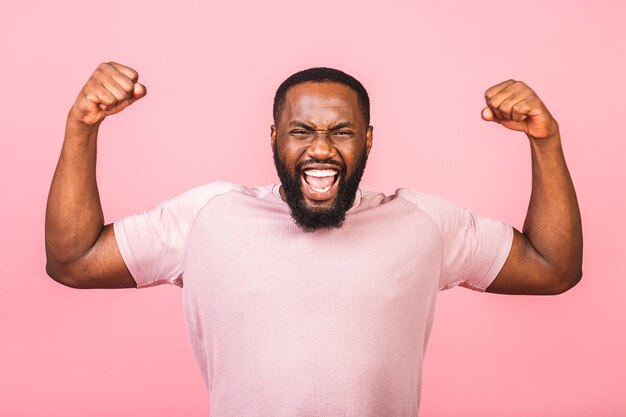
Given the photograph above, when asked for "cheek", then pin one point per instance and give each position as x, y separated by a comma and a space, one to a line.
291, 154
350, 156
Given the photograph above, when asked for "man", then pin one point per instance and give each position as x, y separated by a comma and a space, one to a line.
312, 297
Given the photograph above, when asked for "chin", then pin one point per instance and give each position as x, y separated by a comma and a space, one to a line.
317, 203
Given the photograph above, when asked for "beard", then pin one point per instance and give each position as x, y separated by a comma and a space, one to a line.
310, 219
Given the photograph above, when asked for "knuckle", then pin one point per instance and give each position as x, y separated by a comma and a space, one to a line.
90, 98
117, 95
101, 70
90, 87
133, 75
127, 86
109, 100
523, 87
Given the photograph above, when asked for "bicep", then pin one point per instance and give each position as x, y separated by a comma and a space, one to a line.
102, 266
525, 271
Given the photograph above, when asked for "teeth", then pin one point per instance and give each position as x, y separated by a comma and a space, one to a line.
321, 172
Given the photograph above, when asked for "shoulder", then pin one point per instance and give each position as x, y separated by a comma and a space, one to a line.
430, 204
201, 195
195, 200
437, 209
442, 212
427, 203
208, 191
179, 212
184, 207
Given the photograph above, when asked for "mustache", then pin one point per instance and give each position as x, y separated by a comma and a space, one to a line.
302, 165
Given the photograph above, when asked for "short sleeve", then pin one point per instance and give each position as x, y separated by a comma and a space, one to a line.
153, 243
474, 248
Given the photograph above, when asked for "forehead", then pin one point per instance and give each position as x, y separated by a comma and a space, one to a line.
321, 103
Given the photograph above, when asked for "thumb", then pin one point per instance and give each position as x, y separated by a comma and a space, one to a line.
488, 115
139, 91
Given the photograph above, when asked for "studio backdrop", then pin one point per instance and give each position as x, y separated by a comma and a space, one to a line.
211, 69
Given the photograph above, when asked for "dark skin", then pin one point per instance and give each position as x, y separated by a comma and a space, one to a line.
81, 251
547, 257
322, 121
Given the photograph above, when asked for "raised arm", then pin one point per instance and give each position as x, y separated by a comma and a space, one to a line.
547, 257
81, 251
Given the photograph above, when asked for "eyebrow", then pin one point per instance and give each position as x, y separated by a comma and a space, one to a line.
303, 125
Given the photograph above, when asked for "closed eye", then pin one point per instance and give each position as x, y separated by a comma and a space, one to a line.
299, 132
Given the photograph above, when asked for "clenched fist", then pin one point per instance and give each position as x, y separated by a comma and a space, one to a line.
516, 106
111, 88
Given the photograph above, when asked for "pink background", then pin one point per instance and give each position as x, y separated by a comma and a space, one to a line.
211, 70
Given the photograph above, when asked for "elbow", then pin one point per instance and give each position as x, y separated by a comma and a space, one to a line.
62, 274
566, 281
63, 269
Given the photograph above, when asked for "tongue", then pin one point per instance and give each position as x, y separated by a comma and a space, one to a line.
319, 182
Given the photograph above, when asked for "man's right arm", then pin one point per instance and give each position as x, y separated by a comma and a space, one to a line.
81, 251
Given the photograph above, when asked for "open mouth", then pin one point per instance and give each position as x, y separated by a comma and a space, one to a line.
320, 184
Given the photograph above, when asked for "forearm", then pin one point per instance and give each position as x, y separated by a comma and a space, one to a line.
74, 217
553, 224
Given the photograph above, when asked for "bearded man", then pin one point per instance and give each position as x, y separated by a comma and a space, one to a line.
311, 297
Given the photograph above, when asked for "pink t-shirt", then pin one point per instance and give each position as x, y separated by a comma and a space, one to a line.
285, 323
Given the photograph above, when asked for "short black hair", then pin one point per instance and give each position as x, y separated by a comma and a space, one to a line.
321, 75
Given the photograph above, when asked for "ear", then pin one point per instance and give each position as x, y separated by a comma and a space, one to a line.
273, 136
369, 138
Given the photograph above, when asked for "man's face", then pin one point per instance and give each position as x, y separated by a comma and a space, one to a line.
320, 145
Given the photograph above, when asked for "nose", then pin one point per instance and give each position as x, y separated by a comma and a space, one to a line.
322, 146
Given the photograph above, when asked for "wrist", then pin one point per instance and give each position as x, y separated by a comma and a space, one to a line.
548, 144
80, 133
550, 131
77, 124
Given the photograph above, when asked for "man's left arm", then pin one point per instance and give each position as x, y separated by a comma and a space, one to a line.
546, 258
